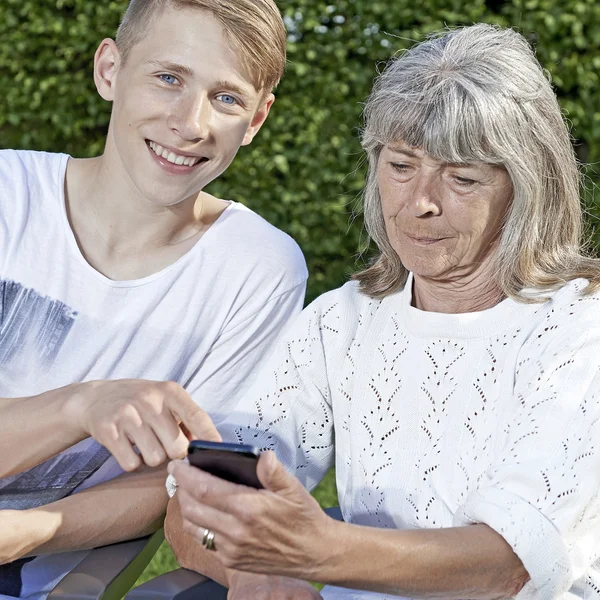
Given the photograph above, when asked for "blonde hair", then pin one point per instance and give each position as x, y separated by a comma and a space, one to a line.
478, 94
255, 28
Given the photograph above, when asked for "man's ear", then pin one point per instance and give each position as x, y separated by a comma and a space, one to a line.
106, 63
259, 118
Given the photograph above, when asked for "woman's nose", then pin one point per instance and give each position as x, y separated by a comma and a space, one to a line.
424, 197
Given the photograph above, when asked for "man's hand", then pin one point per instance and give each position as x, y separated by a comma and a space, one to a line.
250, 586
151, 415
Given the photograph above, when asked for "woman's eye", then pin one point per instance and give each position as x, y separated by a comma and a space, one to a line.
400, 167
464, 181
227, 99
170, 79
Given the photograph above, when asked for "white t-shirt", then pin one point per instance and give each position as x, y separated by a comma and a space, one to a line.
443, 420
206, 321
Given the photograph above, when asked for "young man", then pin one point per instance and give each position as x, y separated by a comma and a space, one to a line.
118, 273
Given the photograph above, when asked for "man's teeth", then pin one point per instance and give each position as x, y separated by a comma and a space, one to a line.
176, 159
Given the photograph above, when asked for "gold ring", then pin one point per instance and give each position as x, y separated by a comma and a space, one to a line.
208, 539
205, 536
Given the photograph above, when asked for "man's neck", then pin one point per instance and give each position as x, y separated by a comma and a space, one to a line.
472, 292
123, 235
99, 194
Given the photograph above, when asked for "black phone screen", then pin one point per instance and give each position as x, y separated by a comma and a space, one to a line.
232, 462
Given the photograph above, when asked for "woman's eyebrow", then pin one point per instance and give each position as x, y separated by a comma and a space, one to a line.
403, 150
411, 154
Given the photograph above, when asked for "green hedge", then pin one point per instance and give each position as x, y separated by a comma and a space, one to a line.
303, 173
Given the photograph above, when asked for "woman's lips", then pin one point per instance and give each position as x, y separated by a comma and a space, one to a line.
424, 241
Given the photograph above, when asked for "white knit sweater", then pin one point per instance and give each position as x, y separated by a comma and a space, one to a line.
443, 420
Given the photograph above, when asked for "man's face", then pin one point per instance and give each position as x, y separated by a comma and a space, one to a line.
443, 220
182, 106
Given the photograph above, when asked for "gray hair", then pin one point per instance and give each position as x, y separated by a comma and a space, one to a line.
478, 94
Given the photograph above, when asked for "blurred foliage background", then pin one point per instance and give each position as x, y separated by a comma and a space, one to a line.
303, 172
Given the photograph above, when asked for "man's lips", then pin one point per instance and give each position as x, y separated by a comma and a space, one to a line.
174, 156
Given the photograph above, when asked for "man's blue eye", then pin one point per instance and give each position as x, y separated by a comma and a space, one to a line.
226, 98
170, 79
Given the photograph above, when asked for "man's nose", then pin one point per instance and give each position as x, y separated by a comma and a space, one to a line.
424, 200
191, 118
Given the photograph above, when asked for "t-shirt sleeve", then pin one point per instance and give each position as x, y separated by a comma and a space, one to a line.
542, 492
288, 409
232, 363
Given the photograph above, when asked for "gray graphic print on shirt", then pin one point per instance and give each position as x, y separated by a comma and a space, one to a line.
34, 327
26, 317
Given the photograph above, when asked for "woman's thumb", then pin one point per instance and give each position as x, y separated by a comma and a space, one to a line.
272, 473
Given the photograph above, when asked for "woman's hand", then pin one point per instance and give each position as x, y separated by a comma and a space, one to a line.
251, 586
280, 530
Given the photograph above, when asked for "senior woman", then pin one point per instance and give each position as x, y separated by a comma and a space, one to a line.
459, 372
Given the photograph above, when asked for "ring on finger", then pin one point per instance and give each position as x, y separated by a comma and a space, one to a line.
208, 539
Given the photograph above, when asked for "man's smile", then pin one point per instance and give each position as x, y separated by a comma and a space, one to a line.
175, 158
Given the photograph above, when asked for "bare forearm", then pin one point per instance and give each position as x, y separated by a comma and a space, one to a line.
461, 562
35, 428
127, 507
188, 551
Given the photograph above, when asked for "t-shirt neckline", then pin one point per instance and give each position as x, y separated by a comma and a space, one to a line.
127, 283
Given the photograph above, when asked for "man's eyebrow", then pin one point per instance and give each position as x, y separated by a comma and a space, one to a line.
234, 87
172, 67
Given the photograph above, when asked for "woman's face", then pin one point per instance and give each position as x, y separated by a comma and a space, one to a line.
442, 219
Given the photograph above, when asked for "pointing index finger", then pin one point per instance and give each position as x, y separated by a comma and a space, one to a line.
193, 418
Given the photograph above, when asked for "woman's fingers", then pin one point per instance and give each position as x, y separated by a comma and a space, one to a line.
201, 517
206, 488
263, 531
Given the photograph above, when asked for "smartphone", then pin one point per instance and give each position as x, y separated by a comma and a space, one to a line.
233, 462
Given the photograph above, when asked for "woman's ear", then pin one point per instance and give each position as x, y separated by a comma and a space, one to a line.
106, 63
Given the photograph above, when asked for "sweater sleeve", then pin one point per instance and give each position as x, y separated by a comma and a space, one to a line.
542, 492
288, 409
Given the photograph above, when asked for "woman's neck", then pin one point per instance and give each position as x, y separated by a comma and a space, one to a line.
473, 293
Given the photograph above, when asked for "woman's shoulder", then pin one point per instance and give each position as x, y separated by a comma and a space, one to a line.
346, 300
340, 314
569, 319
577, 301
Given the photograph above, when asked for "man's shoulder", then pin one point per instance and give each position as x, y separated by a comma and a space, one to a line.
23, 172
250, 239
28, 180
32, 163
